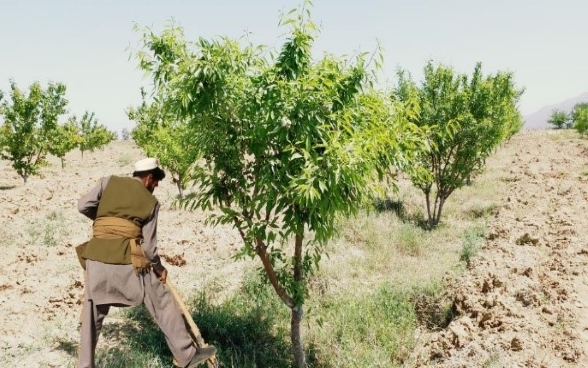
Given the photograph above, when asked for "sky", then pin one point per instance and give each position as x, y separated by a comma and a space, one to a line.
88, 45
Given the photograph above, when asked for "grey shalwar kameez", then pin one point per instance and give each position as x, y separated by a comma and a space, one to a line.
117, 285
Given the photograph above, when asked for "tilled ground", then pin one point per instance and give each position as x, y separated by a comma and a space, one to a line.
41, 281
523, 302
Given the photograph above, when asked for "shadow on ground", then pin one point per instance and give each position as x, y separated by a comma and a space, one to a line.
397, 207
242, 334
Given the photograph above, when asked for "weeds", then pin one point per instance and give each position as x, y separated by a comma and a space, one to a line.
376, 330
48, 231
410, 240
124, 160
471, 244
243, 329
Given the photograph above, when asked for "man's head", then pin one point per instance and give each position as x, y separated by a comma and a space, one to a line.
149, 172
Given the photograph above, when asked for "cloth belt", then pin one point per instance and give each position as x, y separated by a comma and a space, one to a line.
116, 228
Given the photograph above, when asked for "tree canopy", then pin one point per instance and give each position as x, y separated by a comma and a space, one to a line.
29, 118
464, 118
287, 143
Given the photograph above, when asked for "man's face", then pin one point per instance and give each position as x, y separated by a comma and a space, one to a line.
151, 183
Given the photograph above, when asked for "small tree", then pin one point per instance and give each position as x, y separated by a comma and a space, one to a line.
579, 117
91, 134
159, 135
29, 120
288, 145
559, 119
464, 119
62, 139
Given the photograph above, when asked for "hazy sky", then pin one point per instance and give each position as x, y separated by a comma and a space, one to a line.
85, 44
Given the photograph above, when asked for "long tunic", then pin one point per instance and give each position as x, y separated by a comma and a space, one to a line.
118, 284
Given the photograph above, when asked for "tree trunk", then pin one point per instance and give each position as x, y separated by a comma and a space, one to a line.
295, 334
62, 163
295, 304
296, 339
428, 201
179, 185
441, 203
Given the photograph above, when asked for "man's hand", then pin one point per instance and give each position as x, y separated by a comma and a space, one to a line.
162, 276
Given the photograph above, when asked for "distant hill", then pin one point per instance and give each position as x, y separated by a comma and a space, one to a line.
538, 119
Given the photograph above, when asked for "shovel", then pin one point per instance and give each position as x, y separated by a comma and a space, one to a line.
195, 332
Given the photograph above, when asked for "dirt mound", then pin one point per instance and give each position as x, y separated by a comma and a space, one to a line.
523, 301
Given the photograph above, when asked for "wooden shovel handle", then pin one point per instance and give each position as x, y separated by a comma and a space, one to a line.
211, 363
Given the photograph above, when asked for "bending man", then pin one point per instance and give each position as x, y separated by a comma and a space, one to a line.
122, 265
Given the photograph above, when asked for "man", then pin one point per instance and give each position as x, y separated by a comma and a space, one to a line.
122, 265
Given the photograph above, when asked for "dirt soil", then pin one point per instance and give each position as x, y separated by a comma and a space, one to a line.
41, 281
523, 301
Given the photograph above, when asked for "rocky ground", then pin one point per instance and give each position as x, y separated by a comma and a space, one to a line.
523, 301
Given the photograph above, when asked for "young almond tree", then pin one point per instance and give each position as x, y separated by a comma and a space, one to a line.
28, 120
62, 139
288, 144
159, 135
579, 117
91, 134
464, 119
559, 119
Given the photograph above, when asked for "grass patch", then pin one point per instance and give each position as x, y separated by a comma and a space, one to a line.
483, 211
472, 242
48, 231
139, 342
251, 329
124, 160
375, 329
411, 240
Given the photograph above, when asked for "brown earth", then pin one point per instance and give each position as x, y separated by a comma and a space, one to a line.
41, 282
521, 303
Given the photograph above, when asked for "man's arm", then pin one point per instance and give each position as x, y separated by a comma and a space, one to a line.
149, 246
88, 204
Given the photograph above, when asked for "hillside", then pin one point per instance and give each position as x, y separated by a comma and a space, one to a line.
538, 119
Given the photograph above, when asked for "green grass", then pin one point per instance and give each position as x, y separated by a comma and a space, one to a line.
251, 329
375, 330
472, 243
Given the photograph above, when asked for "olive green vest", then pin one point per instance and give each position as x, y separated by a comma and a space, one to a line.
125, 198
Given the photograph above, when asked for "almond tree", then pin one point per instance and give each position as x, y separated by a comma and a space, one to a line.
559, 119
288, 144
464, 119
92, 135
159, 135
62, 139
29, 118
579, 117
